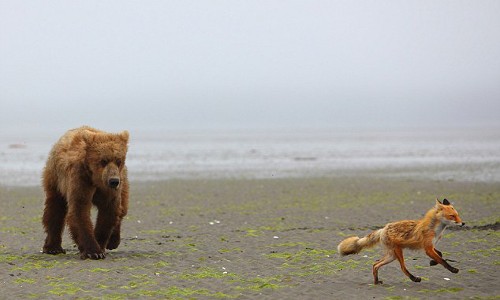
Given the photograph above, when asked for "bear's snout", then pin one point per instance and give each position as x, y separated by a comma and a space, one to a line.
114, 182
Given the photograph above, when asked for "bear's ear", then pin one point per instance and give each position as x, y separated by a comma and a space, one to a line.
446, 202
124, 136
88, 137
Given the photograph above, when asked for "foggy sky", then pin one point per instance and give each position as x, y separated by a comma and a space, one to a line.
249, 64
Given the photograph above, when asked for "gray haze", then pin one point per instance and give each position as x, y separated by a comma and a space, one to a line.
249, 64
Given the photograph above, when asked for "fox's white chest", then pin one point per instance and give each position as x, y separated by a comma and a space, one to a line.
438, 233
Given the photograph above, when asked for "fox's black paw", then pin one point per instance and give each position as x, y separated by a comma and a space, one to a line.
432, 263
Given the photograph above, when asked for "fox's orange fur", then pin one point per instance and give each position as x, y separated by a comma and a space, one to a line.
411, 234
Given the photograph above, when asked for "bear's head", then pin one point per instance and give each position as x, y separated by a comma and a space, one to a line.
105, 158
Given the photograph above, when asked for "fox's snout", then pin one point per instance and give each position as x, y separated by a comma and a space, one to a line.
456, 223
452, 221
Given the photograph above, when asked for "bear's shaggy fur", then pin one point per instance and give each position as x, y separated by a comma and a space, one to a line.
86, 167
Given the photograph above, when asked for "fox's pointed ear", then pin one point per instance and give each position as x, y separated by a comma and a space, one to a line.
446, 202
438, 205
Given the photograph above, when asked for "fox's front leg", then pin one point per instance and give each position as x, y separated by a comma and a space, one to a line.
431, 252
433, 262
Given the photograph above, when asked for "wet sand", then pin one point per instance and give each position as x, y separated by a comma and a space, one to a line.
265, 239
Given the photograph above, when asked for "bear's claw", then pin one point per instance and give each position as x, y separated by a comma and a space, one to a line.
93, 255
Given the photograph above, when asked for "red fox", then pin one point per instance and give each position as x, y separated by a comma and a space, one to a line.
418, 234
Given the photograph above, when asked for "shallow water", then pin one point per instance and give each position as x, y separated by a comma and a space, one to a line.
471, 155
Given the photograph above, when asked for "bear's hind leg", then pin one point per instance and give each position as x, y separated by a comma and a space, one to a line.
54, 216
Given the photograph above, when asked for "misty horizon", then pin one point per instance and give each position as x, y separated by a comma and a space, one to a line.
249, 65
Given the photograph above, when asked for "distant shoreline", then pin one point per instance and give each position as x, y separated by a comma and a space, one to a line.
468, 155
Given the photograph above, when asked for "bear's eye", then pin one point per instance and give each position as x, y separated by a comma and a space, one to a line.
118, 162
104, 162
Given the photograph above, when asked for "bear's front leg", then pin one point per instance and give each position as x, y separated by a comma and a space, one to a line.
106, 224
80, 225
114, 239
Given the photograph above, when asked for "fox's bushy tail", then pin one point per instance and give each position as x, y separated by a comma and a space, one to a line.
354, 244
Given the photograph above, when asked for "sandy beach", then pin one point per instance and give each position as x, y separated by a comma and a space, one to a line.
256, 238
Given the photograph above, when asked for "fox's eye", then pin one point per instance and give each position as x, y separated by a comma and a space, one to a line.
104, 162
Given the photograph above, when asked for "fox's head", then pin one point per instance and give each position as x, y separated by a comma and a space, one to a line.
447, 214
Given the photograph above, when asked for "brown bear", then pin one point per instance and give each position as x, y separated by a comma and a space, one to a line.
86, 167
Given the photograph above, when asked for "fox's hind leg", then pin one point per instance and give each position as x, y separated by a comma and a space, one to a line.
399, 255
388, 258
